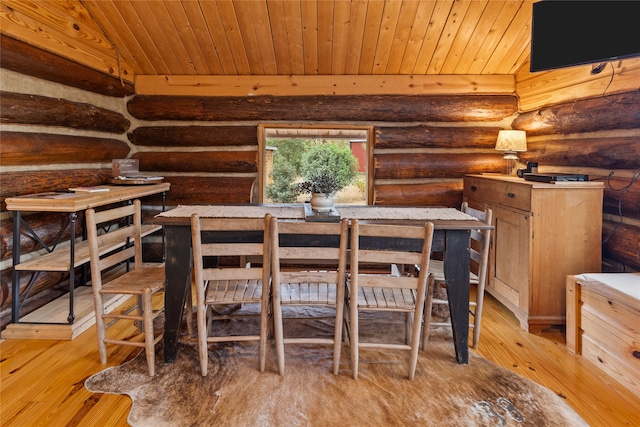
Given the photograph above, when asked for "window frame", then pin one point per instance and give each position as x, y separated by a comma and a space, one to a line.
259, 188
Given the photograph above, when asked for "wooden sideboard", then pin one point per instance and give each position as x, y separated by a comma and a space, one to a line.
543, 232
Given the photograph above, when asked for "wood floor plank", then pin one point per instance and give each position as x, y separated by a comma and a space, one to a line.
41, 382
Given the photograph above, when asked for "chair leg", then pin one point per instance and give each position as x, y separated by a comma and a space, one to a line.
337, 337
354, 342
408, 322
264, 331
149, 337
477, 317
346, 332
100, 328
278, 333
416, 326
426, 328
201, 325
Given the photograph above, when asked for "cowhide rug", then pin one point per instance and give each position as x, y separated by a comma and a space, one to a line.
235, 393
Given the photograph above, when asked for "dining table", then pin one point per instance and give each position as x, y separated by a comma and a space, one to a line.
451, 238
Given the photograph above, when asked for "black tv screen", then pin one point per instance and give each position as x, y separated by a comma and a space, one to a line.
568, 33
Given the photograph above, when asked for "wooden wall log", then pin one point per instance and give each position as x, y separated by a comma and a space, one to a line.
187, 190
194, 136
26, 149
613, 266
621, 242
19, 183
42, 110
26, 59
447, 194
604, 153
201, 161
48, 227
435, 137
389, 108
45, 280
621, 111
622, 194
427, 165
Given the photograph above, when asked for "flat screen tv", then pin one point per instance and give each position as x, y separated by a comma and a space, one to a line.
568, 33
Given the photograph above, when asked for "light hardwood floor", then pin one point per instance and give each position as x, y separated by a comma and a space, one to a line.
42, 381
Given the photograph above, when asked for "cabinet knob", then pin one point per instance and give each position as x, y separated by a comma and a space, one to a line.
473, 188
511, 195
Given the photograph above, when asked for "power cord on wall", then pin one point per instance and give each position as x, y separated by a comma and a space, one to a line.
622, 191
600, 67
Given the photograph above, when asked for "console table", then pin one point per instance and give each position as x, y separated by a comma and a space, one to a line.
65, 259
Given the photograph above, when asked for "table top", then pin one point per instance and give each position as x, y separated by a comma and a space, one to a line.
77, 201
441, 217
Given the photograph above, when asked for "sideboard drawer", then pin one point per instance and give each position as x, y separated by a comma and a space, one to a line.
510, 194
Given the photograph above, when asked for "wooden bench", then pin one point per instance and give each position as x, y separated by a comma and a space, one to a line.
603, 323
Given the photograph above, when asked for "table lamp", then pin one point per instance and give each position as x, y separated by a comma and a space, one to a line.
511, 141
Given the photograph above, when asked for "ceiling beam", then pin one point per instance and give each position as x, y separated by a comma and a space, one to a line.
324, 85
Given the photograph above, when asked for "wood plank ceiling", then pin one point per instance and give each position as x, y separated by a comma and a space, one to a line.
278, 37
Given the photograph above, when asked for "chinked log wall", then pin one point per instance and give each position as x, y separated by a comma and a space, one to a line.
599, 137
56, 136
424, 144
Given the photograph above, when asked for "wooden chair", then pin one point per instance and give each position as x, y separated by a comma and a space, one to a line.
387, 291
296, 281
479, 252
114, 237
238, 284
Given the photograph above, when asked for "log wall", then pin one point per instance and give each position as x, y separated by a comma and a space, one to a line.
61, 125
56, 136
599, 137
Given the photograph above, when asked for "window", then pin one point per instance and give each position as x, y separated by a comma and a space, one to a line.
281, 147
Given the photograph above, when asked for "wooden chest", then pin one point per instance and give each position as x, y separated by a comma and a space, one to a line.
603, 323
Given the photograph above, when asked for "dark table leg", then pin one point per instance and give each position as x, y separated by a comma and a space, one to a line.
178, 280
15, 291
456, 272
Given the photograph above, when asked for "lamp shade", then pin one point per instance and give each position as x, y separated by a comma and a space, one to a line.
511, 140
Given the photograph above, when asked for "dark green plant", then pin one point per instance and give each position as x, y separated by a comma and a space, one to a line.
283, 188
290, 151
328, 166
319, 183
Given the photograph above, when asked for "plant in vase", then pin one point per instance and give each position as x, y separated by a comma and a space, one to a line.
322, 187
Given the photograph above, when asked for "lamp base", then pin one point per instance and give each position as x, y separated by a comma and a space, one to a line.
510, 164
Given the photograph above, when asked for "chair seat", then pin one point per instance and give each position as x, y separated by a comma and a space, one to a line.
308, 293
386, 298
136, 281
436, 267
233, 291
